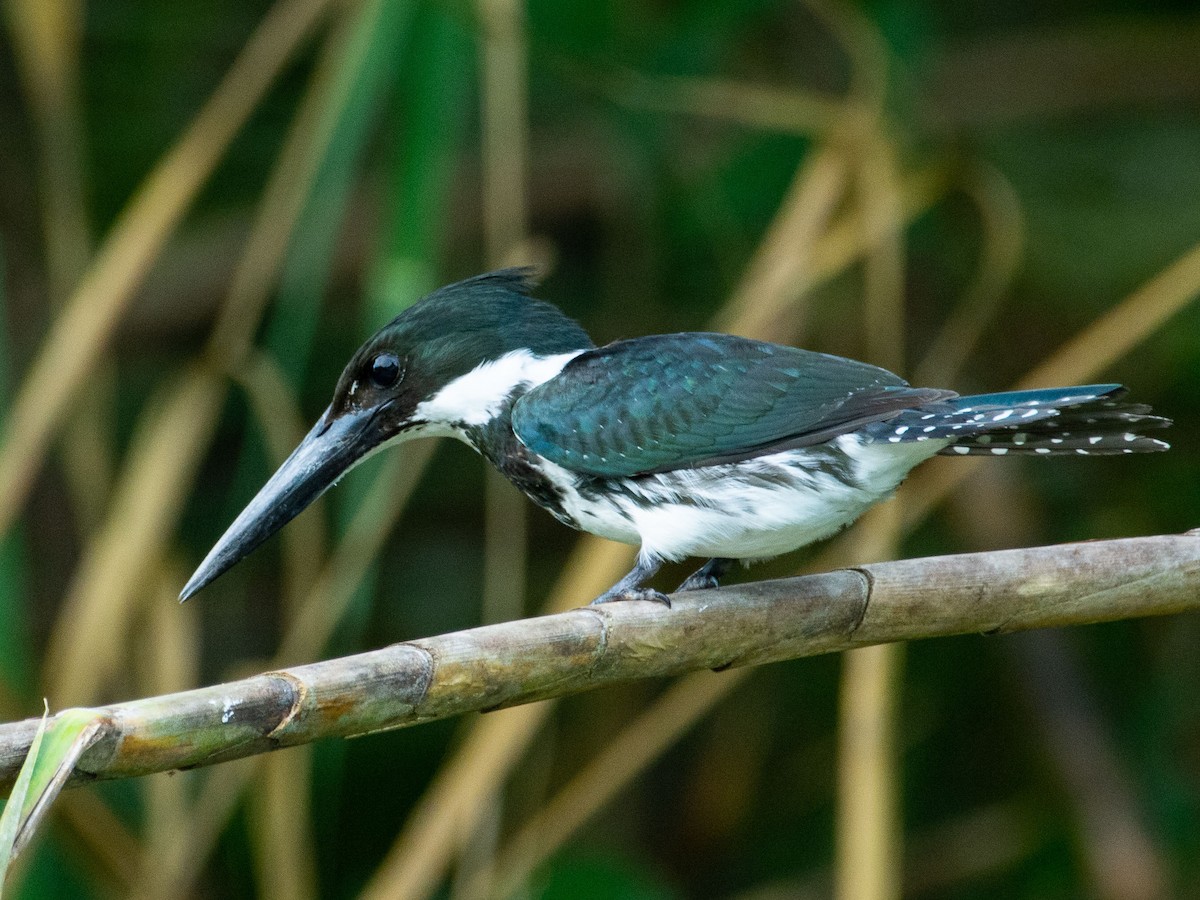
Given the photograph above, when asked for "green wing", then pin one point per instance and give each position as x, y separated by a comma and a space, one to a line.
679, 401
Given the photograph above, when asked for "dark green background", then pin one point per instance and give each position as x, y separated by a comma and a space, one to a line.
1086, 111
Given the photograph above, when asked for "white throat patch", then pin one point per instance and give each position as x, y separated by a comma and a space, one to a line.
478, 397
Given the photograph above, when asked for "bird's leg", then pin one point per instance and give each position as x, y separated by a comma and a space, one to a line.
707, 575
630, 587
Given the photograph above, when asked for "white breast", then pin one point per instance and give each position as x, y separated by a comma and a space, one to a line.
750, 510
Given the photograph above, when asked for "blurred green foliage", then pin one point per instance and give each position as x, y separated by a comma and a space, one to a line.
648, 217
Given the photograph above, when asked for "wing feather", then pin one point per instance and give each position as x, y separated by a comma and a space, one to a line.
667, 402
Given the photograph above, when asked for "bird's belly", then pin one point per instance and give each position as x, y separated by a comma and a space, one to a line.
750, 510
742, 521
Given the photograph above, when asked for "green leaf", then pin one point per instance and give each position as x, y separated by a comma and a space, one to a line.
56, 747
10, 819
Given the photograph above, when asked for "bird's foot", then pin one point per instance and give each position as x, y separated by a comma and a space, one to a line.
630, 587
613, 596
707, 576
698, 581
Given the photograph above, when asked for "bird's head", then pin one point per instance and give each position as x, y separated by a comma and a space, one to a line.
451, 362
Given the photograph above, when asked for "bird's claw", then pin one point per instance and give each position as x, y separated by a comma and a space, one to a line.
698, 582
706, 576
633, 594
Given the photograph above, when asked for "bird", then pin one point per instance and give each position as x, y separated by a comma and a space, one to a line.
685, 445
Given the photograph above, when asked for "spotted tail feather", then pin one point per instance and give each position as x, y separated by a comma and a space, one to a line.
1086, 420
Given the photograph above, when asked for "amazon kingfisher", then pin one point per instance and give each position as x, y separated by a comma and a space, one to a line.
702, 445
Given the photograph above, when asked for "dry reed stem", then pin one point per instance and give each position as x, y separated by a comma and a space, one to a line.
78, 336
183, 853
842, 245
170, 647
1121, 329
46, 36
1048, 73
988, 840
505, 159
762, 107
112, 848
869, 835
866, 53
882, 215
505, 128
983, 841
482, 763
281, 816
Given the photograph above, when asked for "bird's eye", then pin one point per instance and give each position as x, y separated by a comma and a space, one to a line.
384, 370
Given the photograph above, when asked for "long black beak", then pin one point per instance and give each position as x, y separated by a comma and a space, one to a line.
326, 453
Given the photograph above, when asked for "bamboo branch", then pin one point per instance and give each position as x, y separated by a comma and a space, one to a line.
534, 659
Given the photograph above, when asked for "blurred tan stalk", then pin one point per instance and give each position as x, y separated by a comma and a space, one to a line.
46, 37
868, 830
505, 158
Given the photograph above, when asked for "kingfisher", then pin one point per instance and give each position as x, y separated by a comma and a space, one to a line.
685, 445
